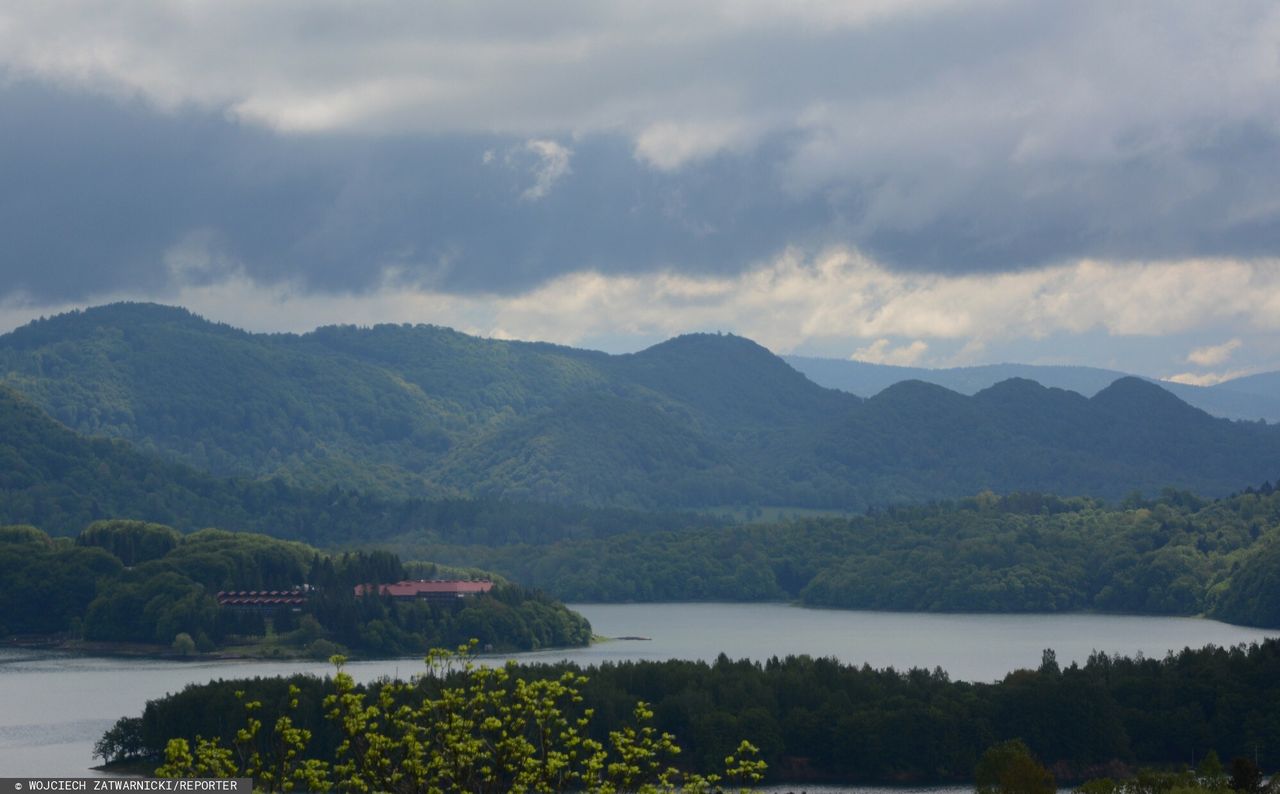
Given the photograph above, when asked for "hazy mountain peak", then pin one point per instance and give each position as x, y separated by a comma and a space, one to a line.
1132, 394
913, 388
723, 358
704, 343
1251, 398
80, 323
1132, 386
138, 313
1016, 385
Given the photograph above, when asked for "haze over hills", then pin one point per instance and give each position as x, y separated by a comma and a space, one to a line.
1266, 384
697, 421
1251, 397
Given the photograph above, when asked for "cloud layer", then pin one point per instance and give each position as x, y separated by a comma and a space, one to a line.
907, 180
330, 144
840, 302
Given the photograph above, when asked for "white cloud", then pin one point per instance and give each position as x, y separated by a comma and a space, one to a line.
882, 351
552, 166
1208, 378
1213, 355
670, 145
839, 300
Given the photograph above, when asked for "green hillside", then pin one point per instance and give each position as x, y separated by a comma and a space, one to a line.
54, 478
225, 401
58, 480
704, 420
1178, 555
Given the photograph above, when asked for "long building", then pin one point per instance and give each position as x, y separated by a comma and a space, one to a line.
433, 590
263, 600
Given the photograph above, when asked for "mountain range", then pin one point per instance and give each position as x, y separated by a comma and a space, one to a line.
1249, 397
699, 421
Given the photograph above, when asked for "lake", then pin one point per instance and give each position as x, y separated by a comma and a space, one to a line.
53, 707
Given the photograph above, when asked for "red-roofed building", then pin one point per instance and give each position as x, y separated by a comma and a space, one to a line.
434, 590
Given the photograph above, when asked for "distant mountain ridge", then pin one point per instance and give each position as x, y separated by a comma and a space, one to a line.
699, 421
1251, 397
1266, 384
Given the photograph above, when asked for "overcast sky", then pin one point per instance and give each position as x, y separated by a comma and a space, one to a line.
909, 181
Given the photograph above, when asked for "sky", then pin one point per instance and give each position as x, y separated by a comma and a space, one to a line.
919, 182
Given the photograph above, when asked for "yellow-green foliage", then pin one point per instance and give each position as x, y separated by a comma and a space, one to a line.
490, 732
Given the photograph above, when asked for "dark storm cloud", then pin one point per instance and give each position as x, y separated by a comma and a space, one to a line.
1213, 199
95, 191
489, 148
100, 195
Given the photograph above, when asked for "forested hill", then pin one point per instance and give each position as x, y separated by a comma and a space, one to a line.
53, 477
1024, 552
1250, 397
56, 479
698, 421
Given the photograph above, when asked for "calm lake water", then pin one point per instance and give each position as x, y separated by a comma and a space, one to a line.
53, 707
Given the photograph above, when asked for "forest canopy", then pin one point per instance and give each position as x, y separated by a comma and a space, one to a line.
1179, 554
698, 421
820, 720
130, 581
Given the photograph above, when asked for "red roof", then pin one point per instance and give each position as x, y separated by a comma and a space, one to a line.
414, 589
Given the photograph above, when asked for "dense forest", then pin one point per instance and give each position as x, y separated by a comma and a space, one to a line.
816, 719
1176, 555
695, 422
129, 581
56, 479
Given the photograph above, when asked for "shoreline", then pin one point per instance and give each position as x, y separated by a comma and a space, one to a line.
156, 652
